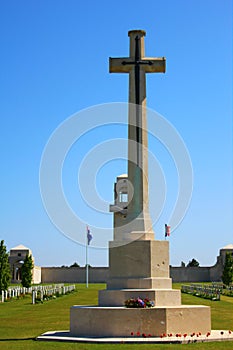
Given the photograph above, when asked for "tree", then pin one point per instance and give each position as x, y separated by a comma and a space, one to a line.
26, 271
193, 263
227, 274
5, 272
75, 264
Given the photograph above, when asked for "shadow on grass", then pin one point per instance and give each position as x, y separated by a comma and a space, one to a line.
15, 339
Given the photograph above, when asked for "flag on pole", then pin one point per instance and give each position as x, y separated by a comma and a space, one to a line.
89, 236
167, 230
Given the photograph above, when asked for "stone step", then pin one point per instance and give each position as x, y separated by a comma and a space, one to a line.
160, 297
95, 321
142, 283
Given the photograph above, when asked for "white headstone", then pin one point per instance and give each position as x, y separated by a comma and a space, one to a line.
33, 297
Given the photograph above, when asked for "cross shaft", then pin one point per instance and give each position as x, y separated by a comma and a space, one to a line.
137, 65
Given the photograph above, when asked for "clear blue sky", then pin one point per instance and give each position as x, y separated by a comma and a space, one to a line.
54, 63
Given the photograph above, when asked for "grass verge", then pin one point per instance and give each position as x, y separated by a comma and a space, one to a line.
21, 322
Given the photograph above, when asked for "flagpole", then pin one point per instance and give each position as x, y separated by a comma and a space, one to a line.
86, 262
88, 240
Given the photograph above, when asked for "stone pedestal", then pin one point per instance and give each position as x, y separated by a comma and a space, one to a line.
160, 297
97, 321
139, 269
139, 259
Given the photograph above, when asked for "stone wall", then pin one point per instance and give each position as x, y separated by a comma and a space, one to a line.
190, 274
100, 274
73, 274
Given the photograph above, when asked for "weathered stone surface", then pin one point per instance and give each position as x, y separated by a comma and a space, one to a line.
120, 322
144, 283
160, 297
139, 259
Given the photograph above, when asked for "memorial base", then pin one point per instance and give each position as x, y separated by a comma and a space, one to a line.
96, 321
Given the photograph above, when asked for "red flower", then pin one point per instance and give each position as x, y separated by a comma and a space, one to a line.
229, 332
185, 335
177, 335
138, 334
208, 334
132, 333
199, 333
149, 335
143, 335
164, 334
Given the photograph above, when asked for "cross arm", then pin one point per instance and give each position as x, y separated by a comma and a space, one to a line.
117, 65
148, 64
154, 65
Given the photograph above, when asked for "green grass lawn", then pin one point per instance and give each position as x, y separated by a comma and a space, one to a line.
21, 322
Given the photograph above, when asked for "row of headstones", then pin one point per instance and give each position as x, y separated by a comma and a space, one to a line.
60, 290
202, 291
12, 292
219, 285
7, 294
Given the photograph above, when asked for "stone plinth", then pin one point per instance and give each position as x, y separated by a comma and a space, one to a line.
120, 322
144, 283
139, 269
160, 297
139, 259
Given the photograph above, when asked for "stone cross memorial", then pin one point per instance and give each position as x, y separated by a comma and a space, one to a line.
138, 264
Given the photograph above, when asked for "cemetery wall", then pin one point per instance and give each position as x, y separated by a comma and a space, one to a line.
192, 274
73, 274
100, 274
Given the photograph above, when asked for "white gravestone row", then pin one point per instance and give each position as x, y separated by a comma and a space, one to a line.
43, 293
13, 292
219, 285
201, 291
